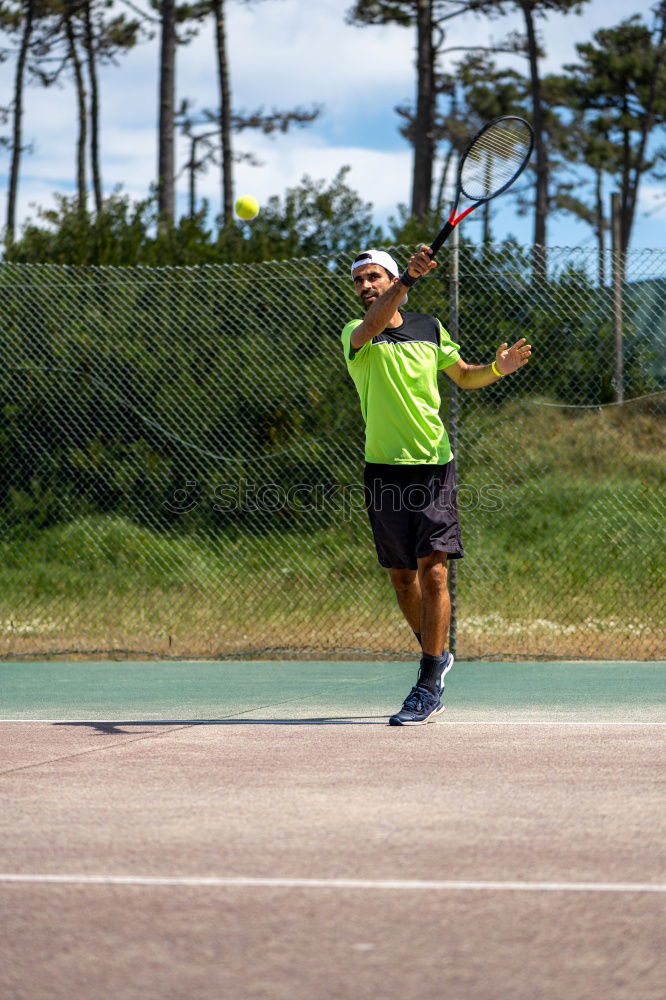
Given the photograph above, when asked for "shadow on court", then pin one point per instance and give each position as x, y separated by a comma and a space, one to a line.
113, 727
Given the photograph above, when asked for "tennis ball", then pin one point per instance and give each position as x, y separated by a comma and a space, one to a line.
247, 207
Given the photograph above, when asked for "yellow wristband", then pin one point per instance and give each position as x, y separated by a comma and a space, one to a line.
496, 371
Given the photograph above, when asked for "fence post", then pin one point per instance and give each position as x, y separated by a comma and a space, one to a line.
618, 278
454, 244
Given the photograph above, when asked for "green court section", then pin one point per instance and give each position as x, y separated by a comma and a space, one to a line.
365, 692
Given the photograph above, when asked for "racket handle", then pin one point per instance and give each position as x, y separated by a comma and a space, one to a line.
442, 235
406, 278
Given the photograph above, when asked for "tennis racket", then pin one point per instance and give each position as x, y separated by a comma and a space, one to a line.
492, 161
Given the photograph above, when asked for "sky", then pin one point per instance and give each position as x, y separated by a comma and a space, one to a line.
283, 54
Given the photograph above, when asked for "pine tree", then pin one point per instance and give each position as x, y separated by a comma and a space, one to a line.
531, 10
429, 18
19, 20
620, 80
230, 121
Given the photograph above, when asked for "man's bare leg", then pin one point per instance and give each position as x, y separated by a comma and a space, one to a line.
423, 597
407, 588
435, 603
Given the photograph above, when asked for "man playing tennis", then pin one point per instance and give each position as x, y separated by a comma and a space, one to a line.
410, 485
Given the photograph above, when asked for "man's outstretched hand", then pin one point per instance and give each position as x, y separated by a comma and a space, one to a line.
510, 359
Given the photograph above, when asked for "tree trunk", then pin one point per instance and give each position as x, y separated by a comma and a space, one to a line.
17, 132
94, 109
424, 146
541, 200
446, 166
83, 113
225, 111
166, 146
486, 237
625, 185
439, 204
629, 209
600, 225
192, 169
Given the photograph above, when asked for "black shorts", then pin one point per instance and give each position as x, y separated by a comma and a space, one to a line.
413, 511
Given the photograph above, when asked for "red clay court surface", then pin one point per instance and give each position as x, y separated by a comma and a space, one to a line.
256, 830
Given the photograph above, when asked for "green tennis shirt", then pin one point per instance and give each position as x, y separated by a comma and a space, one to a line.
395, 375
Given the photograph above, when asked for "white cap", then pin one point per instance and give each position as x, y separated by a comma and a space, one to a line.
380, 257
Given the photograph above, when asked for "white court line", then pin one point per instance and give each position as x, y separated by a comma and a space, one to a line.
332, 883
328, 719
554, 722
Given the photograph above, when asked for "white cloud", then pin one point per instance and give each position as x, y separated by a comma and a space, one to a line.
303, 52
383, 176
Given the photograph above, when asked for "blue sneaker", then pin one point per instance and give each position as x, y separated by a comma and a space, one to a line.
446, 666
420, 706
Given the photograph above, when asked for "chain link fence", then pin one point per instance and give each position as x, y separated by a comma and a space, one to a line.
182, 456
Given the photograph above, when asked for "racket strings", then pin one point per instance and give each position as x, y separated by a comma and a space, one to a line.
493, 160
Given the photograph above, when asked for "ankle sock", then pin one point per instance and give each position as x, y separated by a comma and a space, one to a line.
430, 669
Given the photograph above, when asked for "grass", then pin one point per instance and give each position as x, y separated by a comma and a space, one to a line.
566, 548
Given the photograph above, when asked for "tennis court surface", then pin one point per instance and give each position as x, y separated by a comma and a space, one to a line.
256, 830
